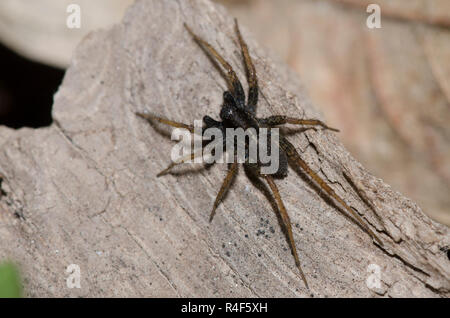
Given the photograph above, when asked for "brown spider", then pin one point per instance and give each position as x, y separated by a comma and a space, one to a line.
236, 113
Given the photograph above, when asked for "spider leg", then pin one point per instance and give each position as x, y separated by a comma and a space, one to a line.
251, 72
166, 121
295, 158
224, 188
234, 85
282, 119
191, 156
287, 223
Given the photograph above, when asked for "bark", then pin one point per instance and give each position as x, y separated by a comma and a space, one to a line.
83, 191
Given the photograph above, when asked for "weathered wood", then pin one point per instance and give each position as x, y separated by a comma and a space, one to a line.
84, 191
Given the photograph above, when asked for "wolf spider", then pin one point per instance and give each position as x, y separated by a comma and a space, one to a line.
236, 113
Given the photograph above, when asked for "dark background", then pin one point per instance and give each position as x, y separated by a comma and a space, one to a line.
26, 90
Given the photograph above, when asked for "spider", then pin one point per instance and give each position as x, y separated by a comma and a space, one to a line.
235, 113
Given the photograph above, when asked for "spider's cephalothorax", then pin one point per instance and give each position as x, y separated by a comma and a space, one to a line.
237, 113
234, 114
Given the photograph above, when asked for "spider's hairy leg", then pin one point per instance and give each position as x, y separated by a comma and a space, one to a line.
224, 188
295, 158
166, 121
191, 156
251, 72
287, 223
282, 119
234, 85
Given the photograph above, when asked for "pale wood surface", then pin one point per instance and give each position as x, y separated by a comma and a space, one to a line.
84, 190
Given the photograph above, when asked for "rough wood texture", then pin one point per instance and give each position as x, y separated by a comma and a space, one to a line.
84, 191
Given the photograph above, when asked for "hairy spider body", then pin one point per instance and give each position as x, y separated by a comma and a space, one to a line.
236, 113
